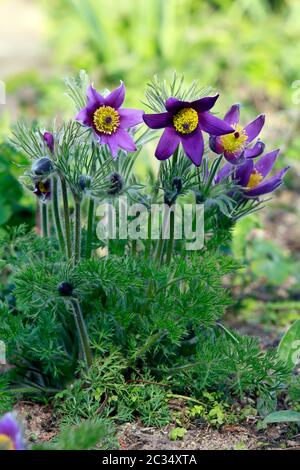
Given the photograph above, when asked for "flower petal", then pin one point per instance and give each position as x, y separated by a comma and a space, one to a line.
253, 128
256, 150
193, 145
125, 141
204, 104
213, 125
157, 121
49, 139
225, 171
130, 117
243, 173
215, 144
267, 186
235, 158
85, 116
116, 98
173, 104
265, 163
94, 99
167, 144
233, 115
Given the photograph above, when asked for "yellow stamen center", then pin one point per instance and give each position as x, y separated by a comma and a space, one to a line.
43, 187
186, 120
255, 179
106, 120
6, 443
236, 141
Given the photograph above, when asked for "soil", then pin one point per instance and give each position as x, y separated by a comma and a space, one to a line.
41, 426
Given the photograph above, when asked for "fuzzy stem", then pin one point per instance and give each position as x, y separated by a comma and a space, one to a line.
148, 241
134, 247
44, 219
56, 214
161, 241
77, 231
171, 239
90, 226
82, 332
66, 216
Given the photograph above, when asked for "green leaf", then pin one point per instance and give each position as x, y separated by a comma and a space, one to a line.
286, 416
289, 347
177, 433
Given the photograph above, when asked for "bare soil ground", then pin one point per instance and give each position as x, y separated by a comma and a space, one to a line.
41, 426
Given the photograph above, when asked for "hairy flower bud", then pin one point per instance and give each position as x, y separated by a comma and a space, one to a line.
177, 183
85, 182
116, 185
65, 289
41, 167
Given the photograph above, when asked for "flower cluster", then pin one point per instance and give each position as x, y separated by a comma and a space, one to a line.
184, 123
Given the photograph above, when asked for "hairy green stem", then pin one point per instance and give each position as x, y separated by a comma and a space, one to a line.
44, 219
82, 332
77, 231
56, 214
90, 227
64, 192
148, 241
171, 239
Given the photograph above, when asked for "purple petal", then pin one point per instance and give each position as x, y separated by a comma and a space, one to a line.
193, 145
125, 141
236, 159
157, 121
94, 99
267, 186
213, 125
173, 105
116, 98
243, 173
256, 150
111, 141
49, 139
11, 428
253, 128
85, 116
215, 144
130, 117
266, 163
233, 115
204, 104
167, 144
225, 171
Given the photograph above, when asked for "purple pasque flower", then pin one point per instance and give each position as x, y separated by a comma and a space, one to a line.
108, 121
49, 139
235, 146
11, 433
184, 122
42, 189
252, 176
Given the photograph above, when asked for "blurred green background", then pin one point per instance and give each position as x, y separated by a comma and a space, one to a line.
249, 50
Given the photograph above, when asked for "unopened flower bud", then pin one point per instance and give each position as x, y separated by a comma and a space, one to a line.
85, 182
177, 183
65, 289
116, 185
41, 167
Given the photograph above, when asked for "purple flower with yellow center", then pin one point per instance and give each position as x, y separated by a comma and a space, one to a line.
235, 146
252, 176
108, 121
42, 189
11, 434
184, 122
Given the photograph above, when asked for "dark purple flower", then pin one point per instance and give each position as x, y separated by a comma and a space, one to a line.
251, 176
42, 189
235, 146
108, 121
11, 435
49, 139
184, 122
